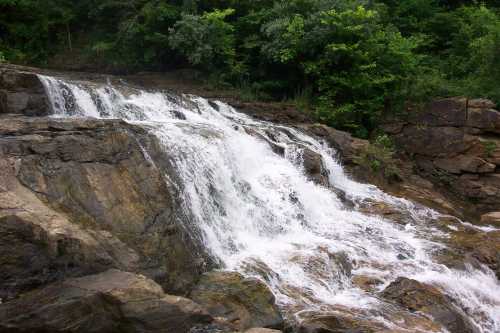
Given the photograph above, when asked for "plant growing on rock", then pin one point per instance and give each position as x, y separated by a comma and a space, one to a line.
379, 157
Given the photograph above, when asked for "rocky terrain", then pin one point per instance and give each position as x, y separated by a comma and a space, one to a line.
91, 239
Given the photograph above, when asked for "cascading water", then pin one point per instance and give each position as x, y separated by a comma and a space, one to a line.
258, 213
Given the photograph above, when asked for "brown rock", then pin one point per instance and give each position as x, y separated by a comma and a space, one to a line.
367, 283
416, 296
347, 146
22, 93
491, 219
434, 141
113, 301
442, 112
98, 175
465, 163
262, 330
481, 103
484, 119
244, 302
314, 167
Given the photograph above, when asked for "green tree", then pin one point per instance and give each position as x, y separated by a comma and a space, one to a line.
206, 40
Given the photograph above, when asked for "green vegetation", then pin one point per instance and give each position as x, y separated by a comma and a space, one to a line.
348, 62
489, 147
379, 157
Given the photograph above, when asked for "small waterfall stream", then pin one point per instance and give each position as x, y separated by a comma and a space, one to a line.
259, 214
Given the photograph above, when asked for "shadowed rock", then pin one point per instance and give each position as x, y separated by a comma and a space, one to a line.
113, 301
416, 296
113, 206
244, 302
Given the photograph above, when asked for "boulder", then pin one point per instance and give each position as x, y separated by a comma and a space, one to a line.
314, 167
102, 176
21, 92
416, 296
244, 302
112, 301
492, 218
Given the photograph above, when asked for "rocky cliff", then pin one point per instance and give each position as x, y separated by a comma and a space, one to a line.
455, 143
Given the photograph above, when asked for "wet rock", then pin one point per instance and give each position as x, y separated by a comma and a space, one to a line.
262, 330
314, 167
275, 147
325, 323
21, 92
113, 301
491, 219
483, 247
243, 302
367, 283
346, 145
103, 176
416, 296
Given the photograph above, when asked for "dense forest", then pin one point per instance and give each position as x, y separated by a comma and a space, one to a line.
347, 61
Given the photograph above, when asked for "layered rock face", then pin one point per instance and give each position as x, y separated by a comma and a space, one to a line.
22, 93
84, 196
455, 142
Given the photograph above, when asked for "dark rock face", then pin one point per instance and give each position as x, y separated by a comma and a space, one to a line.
244, 302
89, 198
455, 143
347, 146
314, 167
417, 296
113, 301
22, 93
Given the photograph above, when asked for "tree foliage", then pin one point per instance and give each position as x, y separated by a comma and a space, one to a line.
353, 60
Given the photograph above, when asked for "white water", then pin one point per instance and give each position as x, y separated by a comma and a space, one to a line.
259, 214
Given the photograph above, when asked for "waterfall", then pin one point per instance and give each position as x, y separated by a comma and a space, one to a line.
258, 213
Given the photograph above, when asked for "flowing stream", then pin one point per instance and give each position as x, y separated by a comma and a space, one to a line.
259, 214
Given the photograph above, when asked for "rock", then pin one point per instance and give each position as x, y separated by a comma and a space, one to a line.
367, 283
102, 176
244, 302
22, 92
328, 323
314, 167
347, 146
481, 246
481, 103
433, 141
485, 119
491, 219
441, 112
262, 330
275, 147
113, 301
416, 296
465, 163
